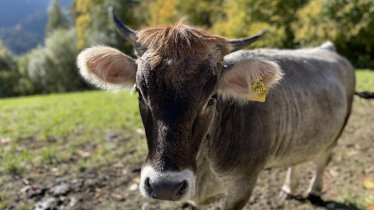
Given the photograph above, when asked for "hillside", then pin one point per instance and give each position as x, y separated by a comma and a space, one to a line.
24, 20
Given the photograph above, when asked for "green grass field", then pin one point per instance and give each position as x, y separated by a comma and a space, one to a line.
74, 132
66, 120
365, 80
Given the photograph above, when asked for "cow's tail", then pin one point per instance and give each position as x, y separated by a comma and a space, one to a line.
365, 94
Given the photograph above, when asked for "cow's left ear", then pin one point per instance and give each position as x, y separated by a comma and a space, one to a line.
240, 80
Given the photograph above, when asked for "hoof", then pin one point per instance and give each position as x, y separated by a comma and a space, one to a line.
188, 206
283, 196
315, 199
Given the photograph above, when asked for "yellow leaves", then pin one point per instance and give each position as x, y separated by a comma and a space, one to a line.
82, 6
309, 24
162, 12
368, 184
234, 24
82, 22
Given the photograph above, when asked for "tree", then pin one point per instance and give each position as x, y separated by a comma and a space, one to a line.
346, 23
7, 60
354, 28
247, 17
52, 68
94, 25
82, 20
201, 12
161, 12
12, 83
56, 19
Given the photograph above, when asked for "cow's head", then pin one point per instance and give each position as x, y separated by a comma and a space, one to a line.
179, 74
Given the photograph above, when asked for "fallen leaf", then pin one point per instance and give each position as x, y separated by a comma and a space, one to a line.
118, 165
83, 154
100, 193
25, 189
368, 184
136, 180
351, 153
25, 181
370, 206
5, 140
333, 172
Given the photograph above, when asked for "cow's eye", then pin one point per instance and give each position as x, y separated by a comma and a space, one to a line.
212, 100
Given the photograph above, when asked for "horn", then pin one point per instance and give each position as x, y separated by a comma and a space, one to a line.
237, 44
126, 32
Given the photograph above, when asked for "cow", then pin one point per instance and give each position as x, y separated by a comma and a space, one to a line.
215, 115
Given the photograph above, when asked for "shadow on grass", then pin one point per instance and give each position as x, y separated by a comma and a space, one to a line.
330, 205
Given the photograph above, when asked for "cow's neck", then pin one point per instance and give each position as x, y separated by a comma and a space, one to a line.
228, 137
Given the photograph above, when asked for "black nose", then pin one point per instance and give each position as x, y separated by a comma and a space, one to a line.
165, 190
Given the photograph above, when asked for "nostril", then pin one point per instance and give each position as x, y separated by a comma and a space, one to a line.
148, 188
182, 188
147, 184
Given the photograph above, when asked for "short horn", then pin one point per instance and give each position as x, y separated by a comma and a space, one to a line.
126, 32
237, 44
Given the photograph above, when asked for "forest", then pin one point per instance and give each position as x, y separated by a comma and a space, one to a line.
51, 68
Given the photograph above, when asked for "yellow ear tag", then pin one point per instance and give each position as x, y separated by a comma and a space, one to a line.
259, 91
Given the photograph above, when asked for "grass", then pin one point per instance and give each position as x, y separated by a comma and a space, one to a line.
57, 116
365, 80
70, 132
47, 130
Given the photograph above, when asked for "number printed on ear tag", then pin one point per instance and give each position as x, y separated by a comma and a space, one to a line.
259, 91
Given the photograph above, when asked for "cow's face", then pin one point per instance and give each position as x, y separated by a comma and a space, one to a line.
179, 76
177, 98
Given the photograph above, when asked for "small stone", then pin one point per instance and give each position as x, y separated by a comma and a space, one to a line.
77, 184
145, 206
47, 204
118, 197
36, 192
140, 131
73, 202
111, 137
133, 187
59, 190
125, 172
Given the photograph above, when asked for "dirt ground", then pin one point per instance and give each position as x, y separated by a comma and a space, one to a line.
115, 186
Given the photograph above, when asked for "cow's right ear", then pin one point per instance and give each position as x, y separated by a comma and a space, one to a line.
107, 68
243, 80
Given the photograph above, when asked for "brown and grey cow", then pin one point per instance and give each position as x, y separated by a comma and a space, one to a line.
208, 136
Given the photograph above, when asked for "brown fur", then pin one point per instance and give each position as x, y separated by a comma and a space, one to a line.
179, 40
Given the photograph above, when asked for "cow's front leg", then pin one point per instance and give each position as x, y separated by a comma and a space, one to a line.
238, 192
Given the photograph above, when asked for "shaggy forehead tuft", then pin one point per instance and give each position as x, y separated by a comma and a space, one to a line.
179, 40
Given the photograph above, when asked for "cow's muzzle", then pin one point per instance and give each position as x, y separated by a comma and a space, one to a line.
167, 185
